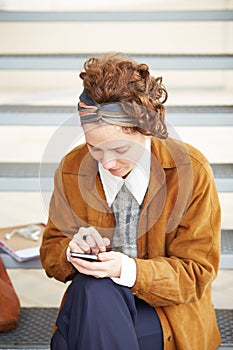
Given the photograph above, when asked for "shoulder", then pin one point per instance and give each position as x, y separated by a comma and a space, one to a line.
173, 153
200, 164
72, 160
195, 154
197, 158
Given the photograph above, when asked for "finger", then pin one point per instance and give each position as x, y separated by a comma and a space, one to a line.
99, 242
85, 239
91, 242
86, 267
106, 241
78, 238
95, 250
79, 267
88, 239
74, 247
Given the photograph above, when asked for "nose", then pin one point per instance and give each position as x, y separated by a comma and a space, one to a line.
108, 164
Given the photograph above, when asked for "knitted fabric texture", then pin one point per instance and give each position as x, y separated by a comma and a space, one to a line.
126, 212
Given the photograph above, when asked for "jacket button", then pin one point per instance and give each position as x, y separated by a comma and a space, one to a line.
169, 338
146, 256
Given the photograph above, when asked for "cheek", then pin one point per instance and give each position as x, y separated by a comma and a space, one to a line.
97, 155
132, 157
126, 164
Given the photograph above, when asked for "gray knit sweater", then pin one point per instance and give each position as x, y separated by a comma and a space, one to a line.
126, 212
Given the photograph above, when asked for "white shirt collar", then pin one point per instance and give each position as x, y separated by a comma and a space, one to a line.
137, 181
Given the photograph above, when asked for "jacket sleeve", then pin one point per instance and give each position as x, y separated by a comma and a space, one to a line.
192, 252
58, 232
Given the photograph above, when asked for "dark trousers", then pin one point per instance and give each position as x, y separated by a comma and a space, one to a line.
101, 315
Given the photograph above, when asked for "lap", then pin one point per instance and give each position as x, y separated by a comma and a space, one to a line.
114, 308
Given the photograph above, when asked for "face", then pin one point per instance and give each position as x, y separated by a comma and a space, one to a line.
116, 150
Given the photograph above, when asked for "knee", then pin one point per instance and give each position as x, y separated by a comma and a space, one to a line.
90, 285
99, 291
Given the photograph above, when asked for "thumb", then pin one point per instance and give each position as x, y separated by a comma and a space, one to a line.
109, 256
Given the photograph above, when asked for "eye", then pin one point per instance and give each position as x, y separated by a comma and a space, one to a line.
94, 150
122, 150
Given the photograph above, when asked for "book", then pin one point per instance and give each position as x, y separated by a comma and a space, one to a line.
22, 242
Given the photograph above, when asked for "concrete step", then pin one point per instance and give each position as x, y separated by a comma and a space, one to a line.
223, 174
115, 16
75, 61
35, 328
226, 259
56, 115
184, 32
26, 176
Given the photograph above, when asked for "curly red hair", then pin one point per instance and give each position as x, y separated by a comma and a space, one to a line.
116, 78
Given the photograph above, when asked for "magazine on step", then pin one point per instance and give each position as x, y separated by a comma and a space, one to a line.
22, 242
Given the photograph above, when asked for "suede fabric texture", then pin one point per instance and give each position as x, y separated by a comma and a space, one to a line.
178, 236
9, 302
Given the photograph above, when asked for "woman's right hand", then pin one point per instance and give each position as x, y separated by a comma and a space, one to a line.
88, 240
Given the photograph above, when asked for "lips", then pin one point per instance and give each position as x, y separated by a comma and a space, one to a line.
115, 171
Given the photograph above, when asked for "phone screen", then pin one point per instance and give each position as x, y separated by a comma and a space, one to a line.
89, 257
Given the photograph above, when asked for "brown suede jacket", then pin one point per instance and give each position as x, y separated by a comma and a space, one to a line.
178, 236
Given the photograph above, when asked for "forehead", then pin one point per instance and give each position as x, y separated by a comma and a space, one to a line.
105, 133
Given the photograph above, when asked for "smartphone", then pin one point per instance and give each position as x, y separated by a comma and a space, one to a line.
89, 257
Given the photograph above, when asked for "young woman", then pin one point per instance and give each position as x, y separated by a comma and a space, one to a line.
146, 206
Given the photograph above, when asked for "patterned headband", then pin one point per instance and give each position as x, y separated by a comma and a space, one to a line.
110, 113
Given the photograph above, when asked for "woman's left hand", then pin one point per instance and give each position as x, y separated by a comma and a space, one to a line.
108, 265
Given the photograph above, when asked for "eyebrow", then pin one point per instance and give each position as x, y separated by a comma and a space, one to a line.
113, 149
